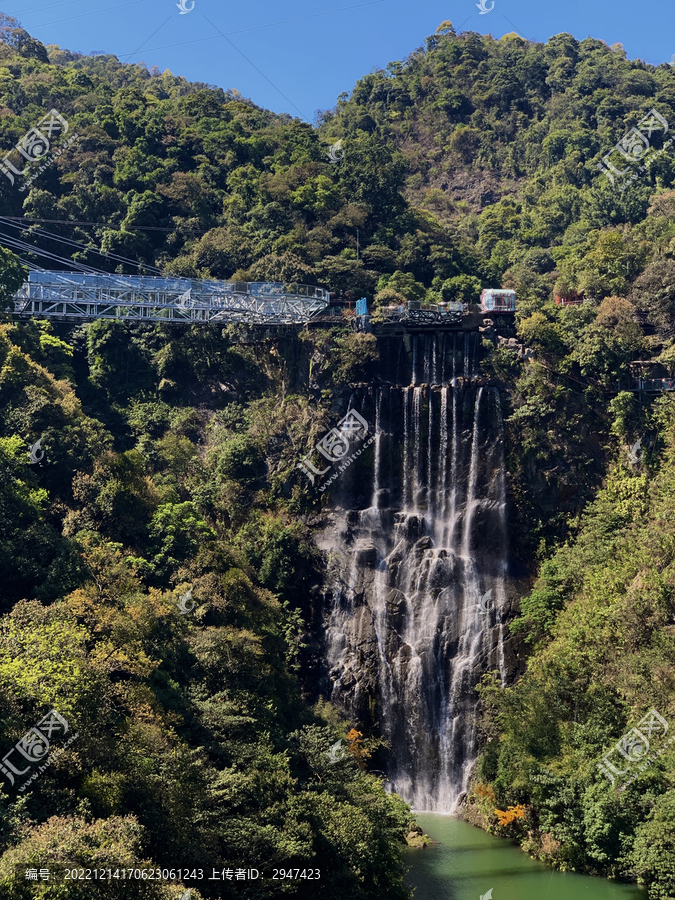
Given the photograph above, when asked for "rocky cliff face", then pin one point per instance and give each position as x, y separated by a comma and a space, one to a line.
417, 593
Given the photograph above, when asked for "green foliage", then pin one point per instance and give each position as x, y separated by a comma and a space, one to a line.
652, 855
12, 276
176, 531
623, 409
73, 843
538, 332
116, 364
605, 653
171, 455
281, 554
462, 289
187, 718
354, 355
402, 283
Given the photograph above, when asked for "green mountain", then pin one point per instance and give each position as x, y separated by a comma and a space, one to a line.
170, 456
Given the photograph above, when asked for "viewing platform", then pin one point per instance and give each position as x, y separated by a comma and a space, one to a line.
178, 301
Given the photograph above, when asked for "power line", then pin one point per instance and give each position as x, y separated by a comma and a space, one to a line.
52, 257
48, 6
97, 224
84, 15
146, 40
516, 30
258, 27
15, 244
77, 244
257, 69
116, 257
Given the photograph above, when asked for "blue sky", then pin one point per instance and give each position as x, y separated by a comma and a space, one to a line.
301, 66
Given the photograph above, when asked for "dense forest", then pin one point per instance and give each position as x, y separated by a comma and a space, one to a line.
170, 459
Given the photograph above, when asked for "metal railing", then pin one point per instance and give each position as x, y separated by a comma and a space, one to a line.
335, 312
73, 295
647, 384
413, 314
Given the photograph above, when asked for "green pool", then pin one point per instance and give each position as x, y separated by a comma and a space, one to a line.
466, 863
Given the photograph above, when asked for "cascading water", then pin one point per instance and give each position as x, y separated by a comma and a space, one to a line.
417, 574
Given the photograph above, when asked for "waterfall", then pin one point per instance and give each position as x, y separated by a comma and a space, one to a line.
378, 448
416, 583
443, 454
406, 447
473, 474
417, 438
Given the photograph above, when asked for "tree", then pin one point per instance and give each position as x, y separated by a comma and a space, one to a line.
539, 332
176, 533
402, 283
372, 172
652, 855
462, 289
653, 293
116, 363
285, 267
12, 275
12, 34
72, 842
609, 343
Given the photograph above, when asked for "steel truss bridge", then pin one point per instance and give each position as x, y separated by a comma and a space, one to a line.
179, 301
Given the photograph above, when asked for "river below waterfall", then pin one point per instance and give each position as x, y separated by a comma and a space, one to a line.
466, 863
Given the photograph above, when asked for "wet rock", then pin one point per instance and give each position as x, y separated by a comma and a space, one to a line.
417, 596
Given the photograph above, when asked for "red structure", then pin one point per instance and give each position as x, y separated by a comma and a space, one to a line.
571, 299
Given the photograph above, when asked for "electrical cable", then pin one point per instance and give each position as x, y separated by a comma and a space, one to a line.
258, 27
518, 33
22, 245
73, 265
72, 243
113, 256
84, 15
80, 247
97, 224
269, 80
49, 6
148, 38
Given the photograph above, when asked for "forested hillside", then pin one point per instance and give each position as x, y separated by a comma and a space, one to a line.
170, 456
601, 619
